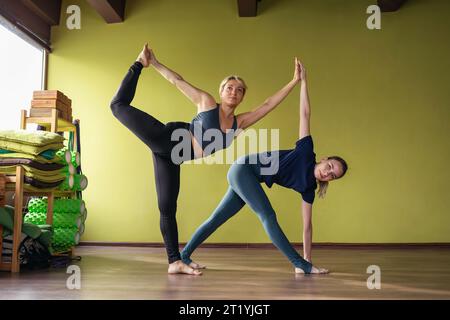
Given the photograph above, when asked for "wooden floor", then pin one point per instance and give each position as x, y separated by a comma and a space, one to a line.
239, 273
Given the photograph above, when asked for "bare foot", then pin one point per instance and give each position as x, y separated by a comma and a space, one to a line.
314, 270
178, 267
145, 57
195, 265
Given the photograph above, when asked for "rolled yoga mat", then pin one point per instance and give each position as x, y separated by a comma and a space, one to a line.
69, 169
67, 184
83, 216
60, 220
59, 205
81, 229
63, 156
75, 158
80, 182
65, 237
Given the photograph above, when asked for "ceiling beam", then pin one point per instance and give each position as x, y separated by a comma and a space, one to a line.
112, 11
390, 5
26, 20
247, 8
48, 10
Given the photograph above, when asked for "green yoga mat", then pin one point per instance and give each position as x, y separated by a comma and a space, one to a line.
75, 158
42, 175
76, 206
69, 169
67, 183
7, 221
84, 216
80, 182
35, 150
65, 156
81, 229
65, 237
43, 157
60, 220
76, 182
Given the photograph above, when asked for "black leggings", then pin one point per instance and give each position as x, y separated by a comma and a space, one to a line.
157, 136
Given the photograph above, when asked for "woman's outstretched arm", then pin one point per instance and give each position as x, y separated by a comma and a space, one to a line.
307, 237
305, 111
307, 230
248, 118
200, 98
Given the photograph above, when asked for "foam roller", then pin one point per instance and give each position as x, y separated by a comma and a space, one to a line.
75, 158
80, 182
76, 206
36, 218
65, 237
63, 156
67, 184
84, 216
69, 169
61, 249
37, 205
60, 220
81, 229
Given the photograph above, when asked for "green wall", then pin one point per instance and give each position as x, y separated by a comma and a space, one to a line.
379, 99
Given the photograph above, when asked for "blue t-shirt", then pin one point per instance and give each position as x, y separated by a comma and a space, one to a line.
296, 169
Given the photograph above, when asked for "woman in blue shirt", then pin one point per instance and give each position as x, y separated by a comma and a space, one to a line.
297, 169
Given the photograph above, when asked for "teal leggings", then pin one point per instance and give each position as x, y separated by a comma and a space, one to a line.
245, 187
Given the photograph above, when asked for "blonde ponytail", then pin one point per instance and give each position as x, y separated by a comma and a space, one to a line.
323, 186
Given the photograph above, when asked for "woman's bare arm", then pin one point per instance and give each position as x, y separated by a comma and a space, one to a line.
248, 118
307, 229
200, 98
305, 111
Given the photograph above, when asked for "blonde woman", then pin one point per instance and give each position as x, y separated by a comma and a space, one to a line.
297, 170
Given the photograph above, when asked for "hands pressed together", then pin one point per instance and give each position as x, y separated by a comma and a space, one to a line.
299, 72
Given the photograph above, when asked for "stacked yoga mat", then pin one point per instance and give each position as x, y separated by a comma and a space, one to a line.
69, 216
35, 151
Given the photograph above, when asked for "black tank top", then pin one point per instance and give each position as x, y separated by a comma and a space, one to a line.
205, 128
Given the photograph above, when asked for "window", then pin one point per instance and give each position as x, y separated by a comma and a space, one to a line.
21, 72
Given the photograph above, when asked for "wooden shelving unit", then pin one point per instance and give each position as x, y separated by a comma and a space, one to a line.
20, 192
52, 124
